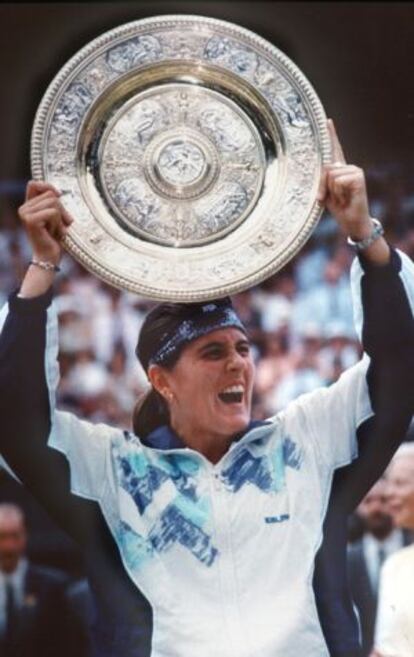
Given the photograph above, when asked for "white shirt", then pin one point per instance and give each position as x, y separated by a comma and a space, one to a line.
231, 545
372, 546
394, 632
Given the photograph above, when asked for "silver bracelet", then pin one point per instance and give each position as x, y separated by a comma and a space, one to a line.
48, 266
377, 231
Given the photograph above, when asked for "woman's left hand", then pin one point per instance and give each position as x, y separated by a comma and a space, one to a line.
343, 192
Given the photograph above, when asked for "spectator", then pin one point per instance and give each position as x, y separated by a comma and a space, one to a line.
32, 603
275, 301
326, 302
338, 352
309, 269
304, 378
275, 364
366, 556
75, 325
394, 632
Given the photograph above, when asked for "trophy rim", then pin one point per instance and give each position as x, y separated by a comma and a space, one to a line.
85, 255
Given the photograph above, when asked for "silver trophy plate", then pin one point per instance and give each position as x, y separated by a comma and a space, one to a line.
189, 152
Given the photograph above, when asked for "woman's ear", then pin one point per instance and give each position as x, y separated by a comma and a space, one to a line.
159, 380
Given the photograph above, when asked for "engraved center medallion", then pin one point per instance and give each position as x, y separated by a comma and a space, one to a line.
181, 162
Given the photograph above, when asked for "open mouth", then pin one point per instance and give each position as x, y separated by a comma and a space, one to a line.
232, 395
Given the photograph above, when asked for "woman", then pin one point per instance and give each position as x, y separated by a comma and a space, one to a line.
200, 529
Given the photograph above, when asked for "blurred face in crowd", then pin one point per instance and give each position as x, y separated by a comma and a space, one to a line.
12, 538
332, 272
209, 389
400, 490
274, 345
374, 511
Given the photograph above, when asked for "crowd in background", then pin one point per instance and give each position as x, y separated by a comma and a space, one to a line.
300, 320
300, 323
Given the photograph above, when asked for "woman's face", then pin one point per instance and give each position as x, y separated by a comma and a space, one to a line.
210, 387
400, 491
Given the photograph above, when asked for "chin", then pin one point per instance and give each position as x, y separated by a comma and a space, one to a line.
229, 421
238, 424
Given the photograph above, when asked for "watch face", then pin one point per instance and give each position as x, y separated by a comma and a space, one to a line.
189, 152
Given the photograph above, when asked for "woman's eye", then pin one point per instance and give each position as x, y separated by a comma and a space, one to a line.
213, 353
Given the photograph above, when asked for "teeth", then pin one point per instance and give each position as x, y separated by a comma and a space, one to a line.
237, 388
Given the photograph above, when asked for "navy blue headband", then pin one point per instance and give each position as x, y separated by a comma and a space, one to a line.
209, 317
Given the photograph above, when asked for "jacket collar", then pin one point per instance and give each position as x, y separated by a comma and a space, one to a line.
165, 438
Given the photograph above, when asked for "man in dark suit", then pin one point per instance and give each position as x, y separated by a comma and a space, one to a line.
366, 556
33, 618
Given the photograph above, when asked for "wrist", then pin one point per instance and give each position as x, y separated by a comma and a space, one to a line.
37, 281
372, 247
47, 265
362, 230
53, 258
375, 232
378, 254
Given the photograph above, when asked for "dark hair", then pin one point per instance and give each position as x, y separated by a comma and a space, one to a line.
151, 410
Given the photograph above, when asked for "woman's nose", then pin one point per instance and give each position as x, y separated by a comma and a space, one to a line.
235, 361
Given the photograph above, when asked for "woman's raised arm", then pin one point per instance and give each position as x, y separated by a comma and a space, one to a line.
37, 441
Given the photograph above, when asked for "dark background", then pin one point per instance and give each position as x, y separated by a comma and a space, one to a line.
357, 55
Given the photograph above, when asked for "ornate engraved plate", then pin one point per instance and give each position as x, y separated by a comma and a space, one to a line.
189, 151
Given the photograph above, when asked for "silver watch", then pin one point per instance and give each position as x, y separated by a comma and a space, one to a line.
377, 231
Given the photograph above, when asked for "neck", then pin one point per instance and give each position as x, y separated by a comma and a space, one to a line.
211, 445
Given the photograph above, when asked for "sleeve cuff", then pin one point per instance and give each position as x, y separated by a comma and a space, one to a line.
381, 271
31, 305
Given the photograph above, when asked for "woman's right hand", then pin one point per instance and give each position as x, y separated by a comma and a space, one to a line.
45, 220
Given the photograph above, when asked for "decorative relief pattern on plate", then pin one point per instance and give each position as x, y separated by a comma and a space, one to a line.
133, 52
189, 149
181, 165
